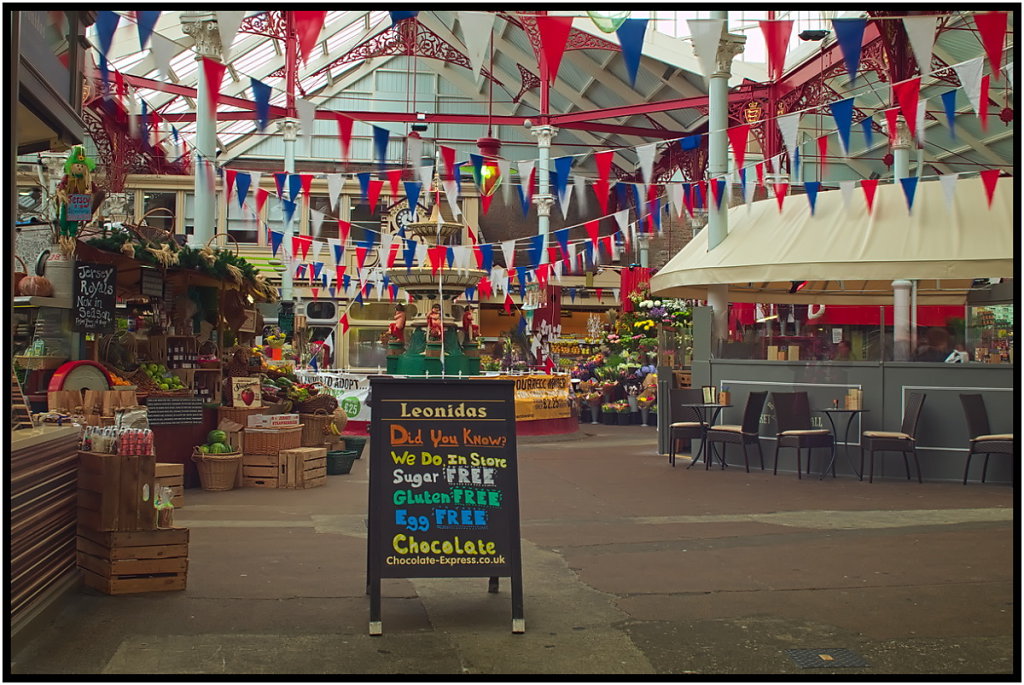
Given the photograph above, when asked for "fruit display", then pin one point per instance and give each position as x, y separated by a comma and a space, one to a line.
117, 380
161, 377
216, 443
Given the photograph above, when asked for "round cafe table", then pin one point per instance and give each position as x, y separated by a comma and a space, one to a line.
702, 409
850, 413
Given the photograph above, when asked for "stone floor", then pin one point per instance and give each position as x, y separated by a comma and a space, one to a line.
630, 567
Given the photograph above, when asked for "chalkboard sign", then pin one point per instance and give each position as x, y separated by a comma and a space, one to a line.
174, 411
151, 282
95, 293
444, 488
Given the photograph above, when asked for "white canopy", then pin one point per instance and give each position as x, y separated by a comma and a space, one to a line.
848, 255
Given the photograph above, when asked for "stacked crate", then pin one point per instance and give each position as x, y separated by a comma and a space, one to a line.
261, 461
304, 467
120, 548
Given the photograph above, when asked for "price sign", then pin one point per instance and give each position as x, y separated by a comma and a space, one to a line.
95, 290
173, 411
79, 207
444, 488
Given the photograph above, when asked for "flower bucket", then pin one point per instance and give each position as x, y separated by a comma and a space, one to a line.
339, 462
355, 444
622, 418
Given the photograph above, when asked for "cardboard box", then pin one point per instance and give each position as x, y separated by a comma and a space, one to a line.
273, 420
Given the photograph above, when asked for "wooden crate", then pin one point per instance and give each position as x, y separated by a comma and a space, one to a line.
115, 492
305, 467
260, 470
126, 562
172, 476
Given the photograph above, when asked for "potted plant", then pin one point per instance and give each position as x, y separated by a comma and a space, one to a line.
608, 415
645, 401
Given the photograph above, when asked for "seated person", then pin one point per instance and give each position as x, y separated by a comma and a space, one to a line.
843, 351
938, 346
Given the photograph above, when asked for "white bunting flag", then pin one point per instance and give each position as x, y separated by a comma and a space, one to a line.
495, 277
705, 34
414, 149
557, 269
564, 199
508, 248
615, 294
307, 120
163, 51
426, 176
476, 30
622, 217
846, 188
1008, 70
921, 105
921, 33
949, 187
317, 223
254, 182
776, 164
228, 22
333, 243
464, 257
334, 184
645, 156
749, 188
525, 172
969, 74
580, 183
385, 247
675, 197
505, 169
317, 247
421, 253
789, 124
451, 191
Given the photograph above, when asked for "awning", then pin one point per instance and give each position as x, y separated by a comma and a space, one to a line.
850, 256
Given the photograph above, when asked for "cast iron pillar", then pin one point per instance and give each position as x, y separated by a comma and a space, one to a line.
543, 199
289, 129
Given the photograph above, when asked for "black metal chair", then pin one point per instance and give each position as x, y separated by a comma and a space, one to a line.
983, 441
744, 434
903, 441
793, 415
689, 427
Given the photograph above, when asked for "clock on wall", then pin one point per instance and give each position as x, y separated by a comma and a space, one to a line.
399, 215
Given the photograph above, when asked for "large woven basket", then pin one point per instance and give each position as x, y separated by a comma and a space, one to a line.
217, 471
315, 427
323, 401
272, 440
239, 415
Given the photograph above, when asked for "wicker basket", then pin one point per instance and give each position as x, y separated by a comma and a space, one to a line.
217, 471
239, 414
323, 401
39, 362
272, 440
314, 428
209, 348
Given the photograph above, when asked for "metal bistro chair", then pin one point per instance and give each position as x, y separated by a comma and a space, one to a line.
983, 441
903, 441
744, 434
793, 414
689, 427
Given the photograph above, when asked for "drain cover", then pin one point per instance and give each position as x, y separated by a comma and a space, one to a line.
826, 658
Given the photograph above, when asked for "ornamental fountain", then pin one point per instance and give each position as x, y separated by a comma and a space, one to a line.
421, 354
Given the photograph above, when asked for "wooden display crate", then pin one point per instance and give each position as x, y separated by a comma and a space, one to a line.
260, 471
126, 562
115, 492
304, 467
172, 476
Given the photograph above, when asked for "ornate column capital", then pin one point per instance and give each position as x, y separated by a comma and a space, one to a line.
289, 127
544, 204
202, 27
902, 139
730, 46
544, 134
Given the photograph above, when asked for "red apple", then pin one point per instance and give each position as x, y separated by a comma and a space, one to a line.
247, 396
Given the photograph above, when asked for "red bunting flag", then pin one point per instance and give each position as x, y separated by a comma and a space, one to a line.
214, 73
395, 178
448, 157
315, 292
344, 133
484, 286
989, 177
229, 183
780, 193
907, 94
891, 123
983, 100
392, 254
437, 256
823, 153
472, 235
870, 185
553, 254
608, 242
300, 244
992, 30
738, 139
541, 274
344, 323
307, 181
261, 199
599, 292
508, 303
485, 202
554, 35
339, 274
343, 228
361, 256
776, 38
479, 256
603, 162
703, 187
759, 169
592, 230
373, 193
307, 27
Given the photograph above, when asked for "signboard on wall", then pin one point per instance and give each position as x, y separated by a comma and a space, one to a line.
541, 397
95, 288
352, 390
444, 488
245, 392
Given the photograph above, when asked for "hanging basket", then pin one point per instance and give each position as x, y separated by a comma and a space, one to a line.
217, 471
226, 235
209, 350
315, 427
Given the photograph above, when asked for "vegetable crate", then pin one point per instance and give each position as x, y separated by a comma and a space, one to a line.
260, 470
115, 492
272, 441
172, 476
127, 562
305, 467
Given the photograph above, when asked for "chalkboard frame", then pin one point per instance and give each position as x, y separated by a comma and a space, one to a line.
110, 298
384, 388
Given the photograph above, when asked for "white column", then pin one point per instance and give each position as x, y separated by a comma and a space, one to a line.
290, 129
718, 298
901, 320
202, 27
643, 243
543, 199
901, 150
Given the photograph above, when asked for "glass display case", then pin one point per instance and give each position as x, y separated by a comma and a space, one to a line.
990, 334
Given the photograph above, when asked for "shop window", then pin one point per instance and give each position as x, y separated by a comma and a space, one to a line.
242, 224
31, 204
160, 209
189, 214
365, 350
